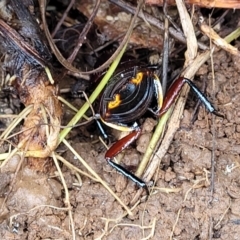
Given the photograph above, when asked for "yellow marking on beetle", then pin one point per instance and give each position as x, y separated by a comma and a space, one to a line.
123, 128
115, 103
159, 91
138, 79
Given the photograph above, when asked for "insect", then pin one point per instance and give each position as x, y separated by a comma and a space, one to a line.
129, 95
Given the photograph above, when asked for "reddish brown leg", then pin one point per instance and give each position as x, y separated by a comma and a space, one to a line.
121, 144
174, 91
117, 148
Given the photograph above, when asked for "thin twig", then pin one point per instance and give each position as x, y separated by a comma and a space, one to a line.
97, 177
155, 22
84, 32
69, 66
213, 128
60, 58
165, 53
60, 22
67, 198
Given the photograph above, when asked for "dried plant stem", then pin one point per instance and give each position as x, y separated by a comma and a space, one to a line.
84, 32
67, 64
97, 177
63, 18
67, 199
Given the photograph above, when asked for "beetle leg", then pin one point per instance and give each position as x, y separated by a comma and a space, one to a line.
100, 127
174, 91
119, 146
203, 98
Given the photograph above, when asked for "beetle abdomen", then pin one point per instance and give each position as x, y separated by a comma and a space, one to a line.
127, 96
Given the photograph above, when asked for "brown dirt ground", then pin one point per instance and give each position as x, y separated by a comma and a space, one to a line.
191, 213
35, 207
